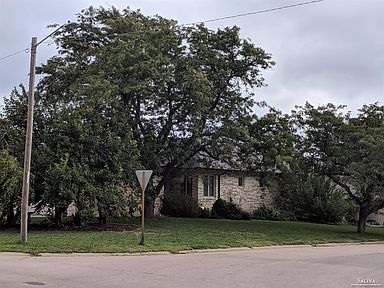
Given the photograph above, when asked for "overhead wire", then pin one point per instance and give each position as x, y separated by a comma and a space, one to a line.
26, 50
254, 12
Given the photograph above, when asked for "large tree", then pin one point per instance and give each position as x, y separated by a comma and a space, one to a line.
10, 187
11, 130
349, 150
79, 155
270, 141
177, 90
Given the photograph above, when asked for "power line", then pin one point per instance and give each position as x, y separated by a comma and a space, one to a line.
27, 49
52, 33
15, 53
197, 22
254, 12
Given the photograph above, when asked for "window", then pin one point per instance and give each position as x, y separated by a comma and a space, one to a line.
186, 185
241, 181
209, 185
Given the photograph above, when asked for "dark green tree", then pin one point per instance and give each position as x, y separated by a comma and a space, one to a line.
10, 187
79, 154
177, 90
270, 142
91, 152
306, 196
349, 150
11, 154
13, 123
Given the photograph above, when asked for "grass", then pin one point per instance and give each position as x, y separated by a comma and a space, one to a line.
176, 234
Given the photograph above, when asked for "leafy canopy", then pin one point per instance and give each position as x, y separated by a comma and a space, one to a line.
349, 150
176, 90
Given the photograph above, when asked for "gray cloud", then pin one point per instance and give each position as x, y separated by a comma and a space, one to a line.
326, 52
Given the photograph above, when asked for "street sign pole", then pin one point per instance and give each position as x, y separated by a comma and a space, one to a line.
142, 207
143, 176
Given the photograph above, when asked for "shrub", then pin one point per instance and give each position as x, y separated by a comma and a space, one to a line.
178, 205
228, 210
264, 212
204, 213
311, 198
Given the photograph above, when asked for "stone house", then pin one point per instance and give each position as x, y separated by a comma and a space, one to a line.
206, 185
377, 217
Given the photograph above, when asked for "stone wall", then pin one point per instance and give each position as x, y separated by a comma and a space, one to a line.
248, 197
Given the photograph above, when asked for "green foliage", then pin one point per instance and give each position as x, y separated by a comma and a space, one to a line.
272, 150
61, 183
13, 122
349, 150
177, 90
179, 205
128, 91
228, 210
11, 175
307, 197
271, 142
265, 212
79, 154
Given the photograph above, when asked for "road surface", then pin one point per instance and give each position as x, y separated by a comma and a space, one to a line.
331, 266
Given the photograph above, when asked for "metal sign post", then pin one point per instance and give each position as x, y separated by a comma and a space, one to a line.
143, 176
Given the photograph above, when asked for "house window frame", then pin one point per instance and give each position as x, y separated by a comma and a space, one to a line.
209, 186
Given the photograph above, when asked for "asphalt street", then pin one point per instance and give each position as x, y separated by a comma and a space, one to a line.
330, 266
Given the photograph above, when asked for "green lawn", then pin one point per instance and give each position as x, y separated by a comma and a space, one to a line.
175, 234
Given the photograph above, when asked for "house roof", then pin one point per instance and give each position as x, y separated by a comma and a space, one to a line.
206, 162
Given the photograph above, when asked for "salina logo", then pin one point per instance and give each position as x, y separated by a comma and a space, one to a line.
366, 282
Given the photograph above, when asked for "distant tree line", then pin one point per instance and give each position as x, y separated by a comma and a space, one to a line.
127, 91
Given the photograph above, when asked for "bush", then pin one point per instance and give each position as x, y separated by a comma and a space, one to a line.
178, 205
264, 212
228, 210
204, 213
312, 198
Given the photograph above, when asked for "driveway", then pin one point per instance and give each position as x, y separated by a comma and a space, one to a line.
330, 266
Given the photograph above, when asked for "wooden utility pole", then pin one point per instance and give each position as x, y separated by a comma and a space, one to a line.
28, 139
28, 145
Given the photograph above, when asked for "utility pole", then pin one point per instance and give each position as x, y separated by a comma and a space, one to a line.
28, 145
28, 138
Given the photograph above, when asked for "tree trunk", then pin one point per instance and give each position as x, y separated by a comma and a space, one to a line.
77, 219
150, 198
101, 211
57, 219
363, 215
102, 216
149, 211
11, 219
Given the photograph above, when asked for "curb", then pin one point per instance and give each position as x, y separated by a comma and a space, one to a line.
192, 251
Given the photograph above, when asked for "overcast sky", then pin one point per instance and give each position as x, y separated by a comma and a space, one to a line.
332, 51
